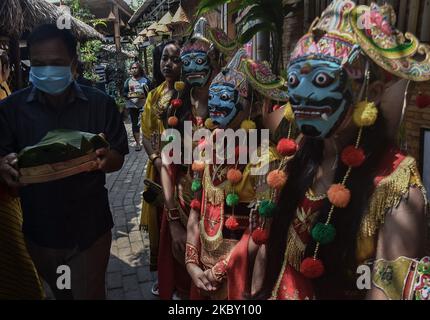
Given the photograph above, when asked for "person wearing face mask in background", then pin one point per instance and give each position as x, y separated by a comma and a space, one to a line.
68, 221
18, 276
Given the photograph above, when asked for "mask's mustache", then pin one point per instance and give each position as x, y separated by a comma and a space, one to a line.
219, 111
333, 103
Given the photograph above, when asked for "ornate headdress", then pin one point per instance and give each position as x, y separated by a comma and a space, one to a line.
243, 71
198, 40
345, 29
233, 75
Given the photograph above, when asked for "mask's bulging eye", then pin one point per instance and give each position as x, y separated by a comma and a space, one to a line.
186, 62
225, 97
200, 61
293, 80
323, 80
211, 96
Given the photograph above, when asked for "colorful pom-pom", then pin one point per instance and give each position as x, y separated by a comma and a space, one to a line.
232, 199
170, 138
179, 85
286, 147
231, 223
276, 179
198, 166
339, 195
312, 268
288, 112
260, 236
248, 125
353, 157
234, 176
196, 185
209, 124
365, 114
195, 205
177, 103
173, 121
323, 234
266, 208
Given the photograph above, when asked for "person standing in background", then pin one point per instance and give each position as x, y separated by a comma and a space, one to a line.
136, 89
18, 276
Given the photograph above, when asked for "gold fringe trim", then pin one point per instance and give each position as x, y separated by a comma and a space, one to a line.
389, 193
294, 250
214, 196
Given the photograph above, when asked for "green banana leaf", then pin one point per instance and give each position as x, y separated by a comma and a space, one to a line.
60, 145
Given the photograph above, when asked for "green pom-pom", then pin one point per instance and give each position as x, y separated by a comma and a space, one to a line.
323, 234
196, 185
232, 199
170, 138
266, 208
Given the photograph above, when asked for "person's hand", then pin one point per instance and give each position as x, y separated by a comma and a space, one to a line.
210, 276
9, 170
179, 238
102, 158
199, 278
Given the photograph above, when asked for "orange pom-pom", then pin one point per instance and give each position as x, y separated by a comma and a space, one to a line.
312, 268
234, 176
231, 223
195, 205
172, 121
260, 236
353, 157
286, 147
276, 179
339, 195
198, 166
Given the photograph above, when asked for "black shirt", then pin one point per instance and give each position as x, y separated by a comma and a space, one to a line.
73, 211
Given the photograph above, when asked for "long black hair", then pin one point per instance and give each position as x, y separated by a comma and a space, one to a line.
302, 170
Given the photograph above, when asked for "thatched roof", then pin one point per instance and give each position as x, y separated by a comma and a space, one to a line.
17, 16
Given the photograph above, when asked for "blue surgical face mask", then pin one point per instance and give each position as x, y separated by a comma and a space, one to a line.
53, 80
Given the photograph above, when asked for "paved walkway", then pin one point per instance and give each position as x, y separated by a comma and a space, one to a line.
128, 275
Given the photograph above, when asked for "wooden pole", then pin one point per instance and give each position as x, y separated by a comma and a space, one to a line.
145, 60
117, 28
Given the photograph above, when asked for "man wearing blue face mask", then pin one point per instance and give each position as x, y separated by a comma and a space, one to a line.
68, 221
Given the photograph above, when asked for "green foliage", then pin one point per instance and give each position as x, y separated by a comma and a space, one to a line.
264, 15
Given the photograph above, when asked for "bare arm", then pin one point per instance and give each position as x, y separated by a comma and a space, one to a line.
403, 234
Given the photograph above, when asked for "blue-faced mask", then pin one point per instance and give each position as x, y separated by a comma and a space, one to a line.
223, 104
320, 94
196, 68
52, 80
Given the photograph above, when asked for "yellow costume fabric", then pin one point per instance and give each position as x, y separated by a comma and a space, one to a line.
150, 124
4, 90
18, 276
